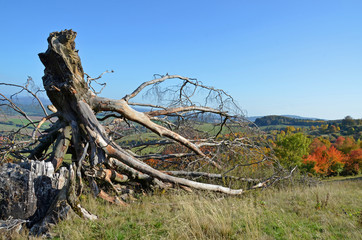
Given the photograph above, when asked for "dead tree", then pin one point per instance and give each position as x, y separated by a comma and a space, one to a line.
181, 142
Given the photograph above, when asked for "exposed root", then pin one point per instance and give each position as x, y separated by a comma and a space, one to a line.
72, 198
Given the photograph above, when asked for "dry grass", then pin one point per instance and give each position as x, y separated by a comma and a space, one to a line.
292, 213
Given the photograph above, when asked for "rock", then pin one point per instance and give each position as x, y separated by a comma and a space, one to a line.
30, 192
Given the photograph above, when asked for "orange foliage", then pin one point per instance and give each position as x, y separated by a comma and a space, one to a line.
353, 162
339, 141
327, 161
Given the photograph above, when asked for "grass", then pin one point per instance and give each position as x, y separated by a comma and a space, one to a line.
343, 178
213, 129
331, 210
14, 122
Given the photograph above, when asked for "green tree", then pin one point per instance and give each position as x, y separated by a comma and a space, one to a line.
290, 149
290, 129
348, 121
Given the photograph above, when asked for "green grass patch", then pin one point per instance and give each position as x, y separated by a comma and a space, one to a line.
14, 123
272, 214
343, 178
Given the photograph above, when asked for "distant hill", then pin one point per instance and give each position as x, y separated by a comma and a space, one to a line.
253, 118
28, 104
288, 120
306, 118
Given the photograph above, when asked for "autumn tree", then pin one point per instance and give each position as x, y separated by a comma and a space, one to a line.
325, 161
353, 162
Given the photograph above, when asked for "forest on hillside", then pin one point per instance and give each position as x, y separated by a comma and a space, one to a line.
317, 147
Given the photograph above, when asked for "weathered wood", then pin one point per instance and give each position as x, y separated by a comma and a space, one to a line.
28, 190
61, 147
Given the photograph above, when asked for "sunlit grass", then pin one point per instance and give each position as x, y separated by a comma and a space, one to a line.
292, 213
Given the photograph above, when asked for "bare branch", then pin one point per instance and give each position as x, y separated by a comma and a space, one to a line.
44, 119
209, 175
148, 83
29, 91
90, 80
185, 109
17, 109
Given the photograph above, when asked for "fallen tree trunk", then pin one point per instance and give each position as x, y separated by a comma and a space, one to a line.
76, 106
48, 187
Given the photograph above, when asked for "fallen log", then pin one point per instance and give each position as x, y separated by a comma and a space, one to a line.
37, 194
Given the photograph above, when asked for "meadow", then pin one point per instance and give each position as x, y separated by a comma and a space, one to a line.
13, 123
330, 210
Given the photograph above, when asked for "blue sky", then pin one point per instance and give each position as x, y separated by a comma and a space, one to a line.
275, 57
